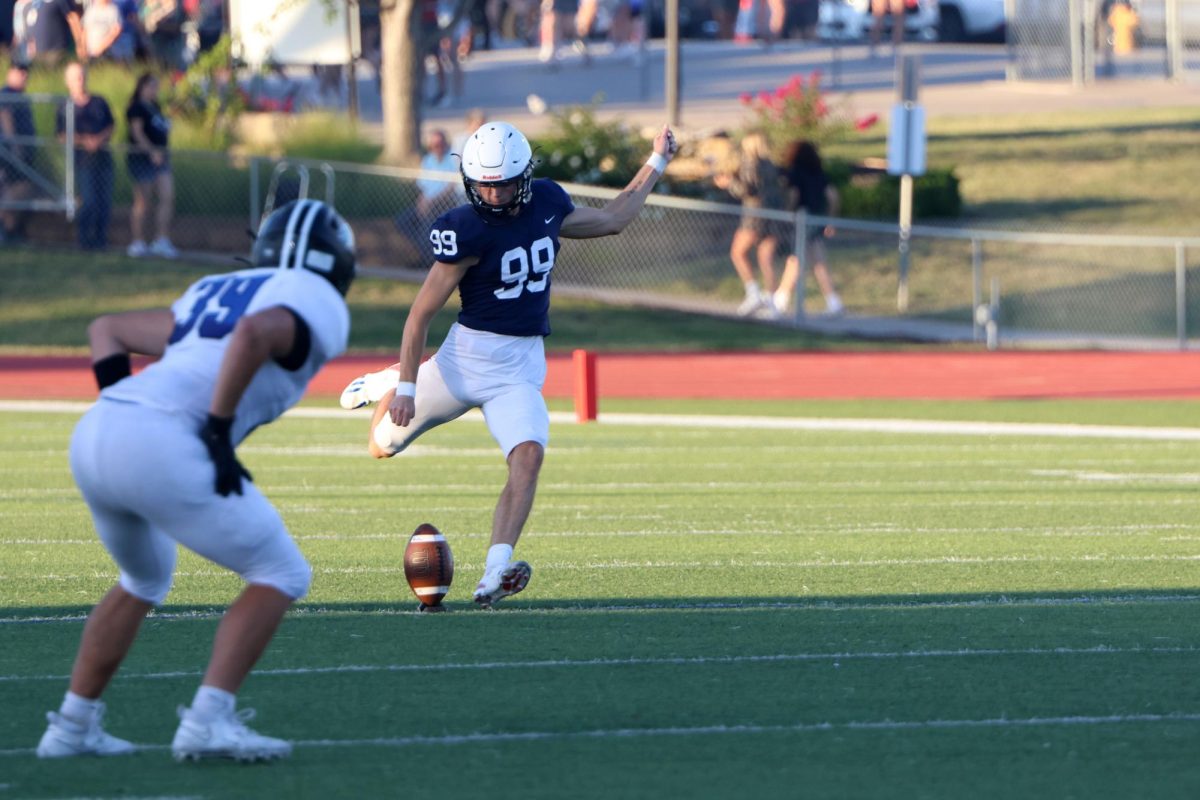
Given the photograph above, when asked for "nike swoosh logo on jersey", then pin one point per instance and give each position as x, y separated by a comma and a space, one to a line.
550, 218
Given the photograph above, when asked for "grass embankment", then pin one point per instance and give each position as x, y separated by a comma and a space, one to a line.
48, 298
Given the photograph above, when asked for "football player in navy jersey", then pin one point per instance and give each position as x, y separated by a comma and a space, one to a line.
154, 459
499, 252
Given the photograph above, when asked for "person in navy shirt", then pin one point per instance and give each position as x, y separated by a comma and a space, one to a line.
499, 252
93, 159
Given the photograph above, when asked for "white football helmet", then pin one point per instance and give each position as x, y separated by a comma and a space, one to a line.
497, 153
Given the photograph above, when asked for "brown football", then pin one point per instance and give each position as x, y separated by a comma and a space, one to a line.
428, 565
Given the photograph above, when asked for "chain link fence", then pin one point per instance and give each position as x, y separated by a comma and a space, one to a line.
1050, 288
1089, 40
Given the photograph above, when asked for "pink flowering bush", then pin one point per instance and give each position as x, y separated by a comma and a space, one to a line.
798, 110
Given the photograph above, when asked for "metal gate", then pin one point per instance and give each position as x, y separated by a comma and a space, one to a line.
35, 172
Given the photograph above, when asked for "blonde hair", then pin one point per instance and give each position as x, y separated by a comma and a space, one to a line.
755, 145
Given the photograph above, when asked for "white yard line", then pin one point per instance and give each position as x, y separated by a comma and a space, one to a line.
408, 607
781, 658
908, 426
728, 730
710, 564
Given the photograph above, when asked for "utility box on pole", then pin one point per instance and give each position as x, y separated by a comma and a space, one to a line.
906, 157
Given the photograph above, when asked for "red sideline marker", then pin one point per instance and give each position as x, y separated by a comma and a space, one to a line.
585, 385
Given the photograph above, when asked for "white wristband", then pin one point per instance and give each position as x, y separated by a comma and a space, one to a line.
406, 389
657, 163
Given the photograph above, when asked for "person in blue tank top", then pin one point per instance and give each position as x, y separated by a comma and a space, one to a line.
499, 252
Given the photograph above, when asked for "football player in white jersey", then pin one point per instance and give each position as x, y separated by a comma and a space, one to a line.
498, 252
154, 459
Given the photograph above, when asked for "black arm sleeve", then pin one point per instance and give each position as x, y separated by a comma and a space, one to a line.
112, 369
301, 345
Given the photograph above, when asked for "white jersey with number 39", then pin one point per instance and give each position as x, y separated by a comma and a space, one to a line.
205, 316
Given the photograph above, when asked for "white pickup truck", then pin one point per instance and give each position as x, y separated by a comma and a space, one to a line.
971, 19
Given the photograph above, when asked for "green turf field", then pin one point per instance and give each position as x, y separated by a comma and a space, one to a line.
753, 613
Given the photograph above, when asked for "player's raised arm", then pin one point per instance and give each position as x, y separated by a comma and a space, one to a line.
587, 223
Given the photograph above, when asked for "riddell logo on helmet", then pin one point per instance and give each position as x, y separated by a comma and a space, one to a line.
490, 177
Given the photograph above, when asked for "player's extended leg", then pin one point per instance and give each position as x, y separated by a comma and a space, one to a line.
519, 422
436, 405
502, 576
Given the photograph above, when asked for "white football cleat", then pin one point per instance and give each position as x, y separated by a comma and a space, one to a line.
495, 585
224, 737
65, 737
369, 388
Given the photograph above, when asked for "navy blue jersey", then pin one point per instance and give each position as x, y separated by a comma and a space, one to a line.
508, 291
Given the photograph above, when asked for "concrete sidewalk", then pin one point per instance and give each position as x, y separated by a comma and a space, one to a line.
957, 80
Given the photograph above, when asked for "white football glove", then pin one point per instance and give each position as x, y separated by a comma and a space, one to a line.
369, 388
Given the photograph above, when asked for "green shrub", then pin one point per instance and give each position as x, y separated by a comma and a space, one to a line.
935, 195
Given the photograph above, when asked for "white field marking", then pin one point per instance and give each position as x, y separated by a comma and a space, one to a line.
848, 530
907, 426
779, 658
713, 564
279, 490
999, 601
724, 730
1120, 477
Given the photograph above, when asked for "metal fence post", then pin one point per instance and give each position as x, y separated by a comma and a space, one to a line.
1010, 60
800, 250
1175, 42
976, 287
1075, 26
1181, 295
255, 195
69, 159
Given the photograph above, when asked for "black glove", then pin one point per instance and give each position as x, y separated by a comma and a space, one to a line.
215, 435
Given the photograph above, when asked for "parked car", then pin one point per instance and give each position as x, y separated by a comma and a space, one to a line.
850, 20
963, 20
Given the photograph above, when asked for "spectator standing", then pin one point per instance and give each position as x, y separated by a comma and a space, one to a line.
16, 136
757, 184
93, 159
880, 10
163, 22
811, 190
133, 37
149, 163
1123, 22
6, 23
102, 29
57, 30
24, 17
557, 25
